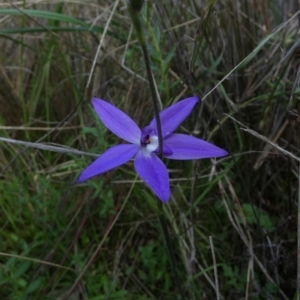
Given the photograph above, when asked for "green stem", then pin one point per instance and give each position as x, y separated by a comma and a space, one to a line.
134, 8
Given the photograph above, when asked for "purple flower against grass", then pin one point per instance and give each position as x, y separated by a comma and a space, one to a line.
143, 144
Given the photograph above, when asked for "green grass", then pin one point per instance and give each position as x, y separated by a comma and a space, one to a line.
103, 239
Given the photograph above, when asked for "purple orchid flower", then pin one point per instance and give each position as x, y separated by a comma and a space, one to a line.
144, 144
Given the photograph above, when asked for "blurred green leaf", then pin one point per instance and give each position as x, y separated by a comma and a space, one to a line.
264, 220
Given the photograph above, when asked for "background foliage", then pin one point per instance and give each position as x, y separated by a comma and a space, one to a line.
102, 239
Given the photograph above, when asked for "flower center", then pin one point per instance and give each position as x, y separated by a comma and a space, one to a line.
149, 139
146, 141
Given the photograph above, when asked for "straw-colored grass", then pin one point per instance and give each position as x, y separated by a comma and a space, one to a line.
235, 217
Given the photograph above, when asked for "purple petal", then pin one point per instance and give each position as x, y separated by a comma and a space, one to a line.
166, 150
174, 115
113, 157
188, 147
152, 170
117, 121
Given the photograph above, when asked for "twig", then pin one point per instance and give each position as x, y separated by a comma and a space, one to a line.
263, 138
101, 42
47, 147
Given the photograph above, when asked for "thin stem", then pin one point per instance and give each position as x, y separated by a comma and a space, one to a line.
139, 32
134, 8
164, 226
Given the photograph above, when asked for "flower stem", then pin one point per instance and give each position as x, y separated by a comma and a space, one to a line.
134, 8
134, 14
164, 226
